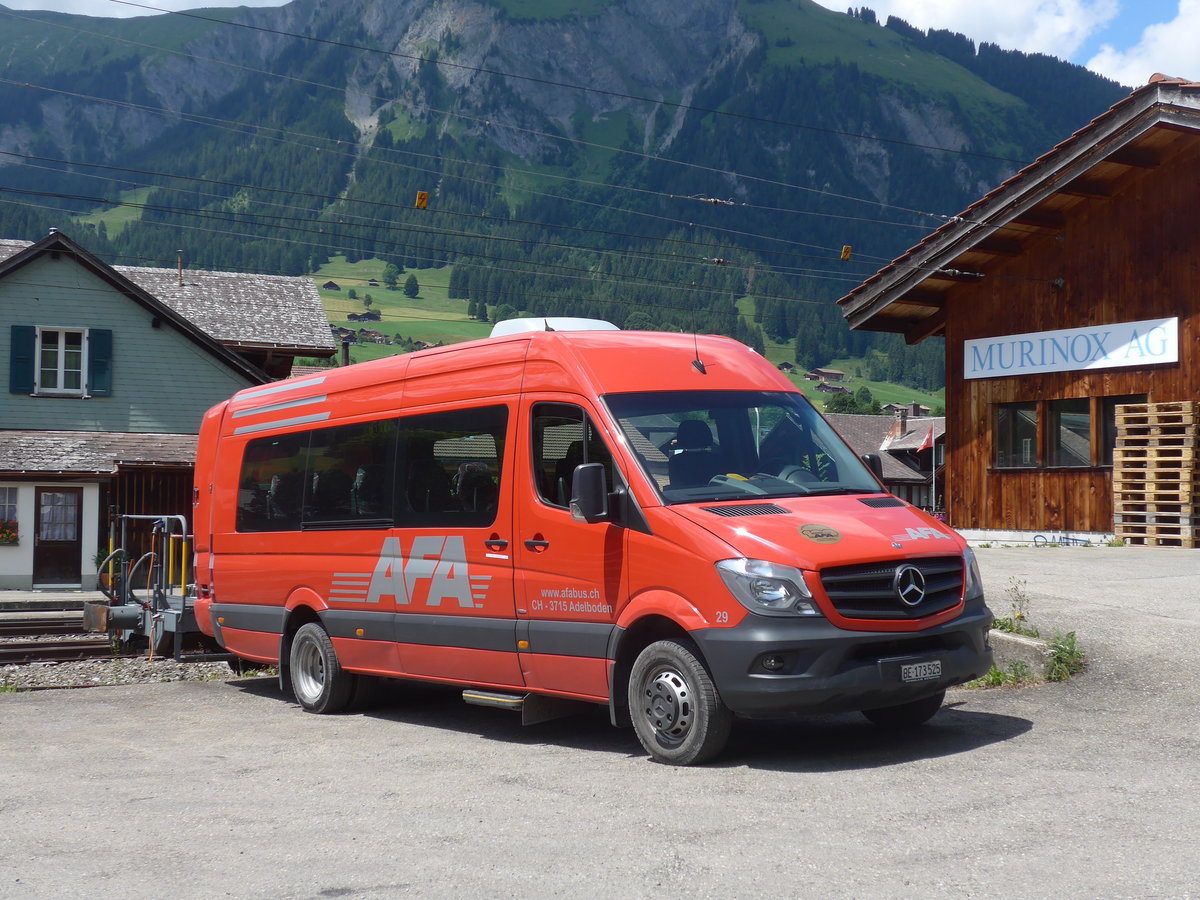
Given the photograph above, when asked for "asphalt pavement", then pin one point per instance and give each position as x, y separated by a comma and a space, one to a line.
1087, 788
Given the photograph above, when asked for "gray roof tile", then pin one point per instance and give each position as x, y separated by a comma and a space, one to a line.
240, 308
235, 308
90, 452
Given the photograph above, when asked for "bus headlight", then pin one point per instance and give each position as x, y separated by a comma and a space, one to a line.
974, 584
767, 587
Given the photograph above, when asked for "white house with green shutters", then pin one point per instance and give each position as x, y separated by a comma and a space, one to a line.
109, 371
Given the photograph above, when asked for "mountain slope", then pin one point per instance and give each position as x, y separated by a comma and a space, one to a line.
637, 157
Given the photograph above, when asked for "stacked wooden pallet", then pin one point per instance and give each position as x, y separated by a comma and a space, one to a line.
1156, 482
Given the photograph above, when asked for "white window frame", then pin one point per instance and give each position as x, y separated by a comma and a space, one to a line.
60, 391
8, 503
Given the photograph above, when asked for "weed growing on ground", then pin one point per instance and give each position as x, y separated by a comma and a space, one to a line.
7, 687
1066, 657
1016, 674
1017, 620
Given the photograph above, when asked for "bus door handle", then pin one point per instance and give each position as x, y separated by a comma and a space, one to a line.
496, 544
537, 545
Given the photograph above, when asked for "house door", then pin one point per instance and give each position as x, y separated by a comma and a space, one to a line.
57, 541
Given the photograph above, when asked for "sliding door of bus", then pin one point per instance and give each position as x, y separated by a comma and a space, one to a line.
451, 563
569, 574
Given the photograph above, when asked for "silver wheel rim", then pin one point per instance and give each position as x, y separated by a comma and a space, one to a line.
308, 670
667, 705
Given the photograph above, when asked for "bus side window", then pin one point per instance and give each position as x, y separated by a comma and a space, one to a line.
271, 488
563, 438
450, 467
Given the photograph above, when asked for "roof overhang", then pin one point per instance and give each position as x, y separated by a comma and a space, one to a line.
909, 295
57, 245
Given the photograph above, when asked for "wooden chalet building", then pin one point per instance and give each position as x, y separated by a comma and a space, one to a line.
109, 372
1070, 289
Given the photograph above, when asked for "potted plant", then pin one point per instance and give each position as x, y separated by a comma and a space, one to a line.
97, 561
9, 534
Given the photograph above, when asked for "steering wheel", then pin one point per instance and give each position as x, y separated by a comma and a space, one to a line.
797, 475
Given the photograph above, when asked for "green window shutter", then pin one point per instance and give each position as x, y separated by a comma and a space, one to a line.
99, 362
20, 360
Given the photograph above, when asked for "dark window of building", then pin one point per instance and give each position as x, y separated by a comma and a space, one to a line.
1016, 435
1069, 432
1108, 412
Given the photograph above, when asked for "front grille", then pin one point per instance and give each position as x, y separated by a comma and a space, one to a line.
867, 592
749, 509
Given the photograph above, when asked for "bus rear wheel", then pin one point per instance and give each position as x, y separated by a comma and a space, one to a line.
676, 710
318, 680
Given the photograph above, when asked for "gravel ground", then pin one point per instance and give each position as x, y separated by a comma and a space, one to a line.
94, 672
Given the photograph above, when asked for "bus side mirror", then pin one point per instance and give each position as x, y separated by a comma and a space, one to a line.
874, 463
589, 493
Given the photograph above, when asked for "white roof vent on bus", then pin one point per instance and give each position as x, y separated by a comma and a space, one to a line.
550, 323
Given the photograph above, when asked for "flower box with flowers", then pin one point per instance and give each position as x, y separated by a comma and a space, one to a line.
9, 534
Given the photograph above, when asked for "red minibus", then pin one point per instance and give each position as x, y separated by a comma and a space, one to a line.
562, 512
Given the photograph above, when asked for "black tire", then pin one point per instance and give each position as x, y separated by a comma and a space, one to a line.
676, 710
907, 715
318, 680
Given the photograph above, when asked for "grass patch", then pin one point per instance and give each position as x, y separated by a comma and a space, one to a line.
430, 316
805, 34
1066, 657
884, 392
117, 218
1016, 674
1017, 620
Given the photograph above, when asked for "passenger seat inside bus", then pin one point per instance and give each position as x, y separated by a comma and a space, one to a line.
429, 485
692, 459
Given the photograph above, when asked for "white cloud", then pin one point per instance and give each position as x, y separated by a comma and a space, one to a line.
1056, 27
1171, 48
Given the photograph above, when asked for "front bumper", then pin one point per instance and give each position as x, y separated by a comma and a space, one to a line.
829, 669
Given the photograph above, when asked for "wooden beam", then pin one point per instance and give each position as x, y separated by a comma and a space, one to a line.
926, 299
1082, 187
998, 247
926, 327
956, 275
1040, 219
1133, 158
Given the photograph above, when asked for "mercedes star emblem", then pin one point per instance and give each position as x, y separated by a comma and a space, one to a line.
909, 585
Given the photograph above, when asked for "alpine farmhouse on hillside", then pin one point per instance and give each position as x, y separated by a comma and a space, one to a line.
110, 369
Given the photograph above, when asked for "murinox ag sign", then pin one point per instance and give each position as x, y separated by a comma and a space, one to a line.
1095, 347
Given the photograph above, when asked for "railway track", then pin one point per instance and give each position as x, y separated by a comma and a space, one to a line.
28, 626
89, 647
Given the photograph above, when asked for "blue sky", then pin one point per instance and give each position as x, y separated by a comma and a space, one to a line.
1127, 40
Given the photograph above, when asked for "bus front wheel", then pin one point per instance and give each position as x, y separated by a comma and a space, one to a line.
676, 710
318, 680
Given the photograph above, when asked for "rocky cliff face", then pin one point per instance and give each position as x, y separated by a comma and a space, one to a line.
370, 69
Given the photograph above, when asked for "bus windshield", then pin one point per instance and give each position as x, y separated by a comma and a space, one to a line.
736, 445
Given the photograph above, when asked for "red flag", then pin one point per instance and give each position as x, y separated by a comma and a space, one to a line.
928, 442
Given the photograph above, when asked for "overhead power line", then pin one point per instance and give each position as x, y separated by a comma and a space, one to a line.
489, 123
560, 84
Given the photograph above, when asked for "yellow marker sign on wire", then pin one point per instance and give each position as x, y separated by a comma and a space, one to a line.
846, 250
422, 199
